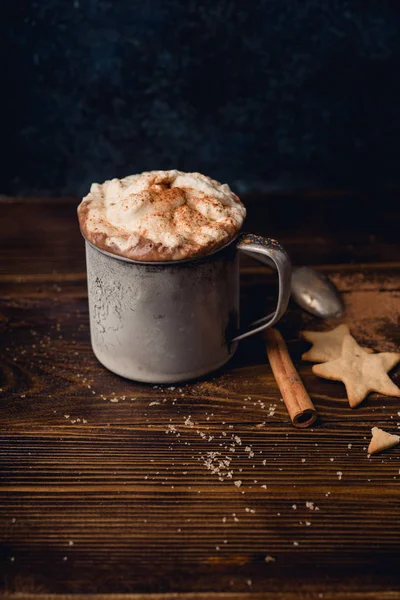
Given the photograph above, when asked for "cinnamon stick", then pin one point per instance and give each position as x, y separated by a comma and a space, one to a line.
298, 403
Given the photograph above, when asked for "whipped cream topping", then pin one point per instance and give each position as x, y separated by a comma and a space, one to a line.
161, 215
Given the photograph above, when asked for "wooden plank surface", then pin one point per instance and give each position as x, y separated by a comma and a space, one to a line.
112, 487
41, 235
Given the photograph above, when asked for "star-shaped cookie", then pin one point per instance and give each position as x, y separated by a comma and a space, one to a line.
326, 345
361, 372
382, 440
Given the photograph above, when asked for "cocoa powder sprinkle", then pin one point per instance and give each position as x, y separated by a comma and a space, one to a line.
372, 308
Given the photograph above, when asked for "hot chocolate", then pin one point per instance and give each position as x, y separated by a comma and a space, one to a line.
161, 215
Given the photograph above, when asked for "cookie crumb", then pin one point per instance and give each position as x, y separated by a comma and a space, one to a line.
269, 559
382, 440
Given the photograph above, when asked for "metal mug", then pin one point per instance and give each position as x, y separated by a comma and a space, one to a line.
172, 321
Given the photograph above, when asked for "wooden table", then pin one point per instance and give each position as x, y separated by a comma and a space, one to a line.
125, 490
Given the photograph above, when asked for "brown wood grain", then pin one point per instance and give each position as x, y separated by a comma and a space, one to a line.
128, 499
42, 235
382, 595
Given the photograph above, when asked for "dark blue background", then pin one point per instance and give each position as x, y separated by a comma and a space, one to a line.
263, 93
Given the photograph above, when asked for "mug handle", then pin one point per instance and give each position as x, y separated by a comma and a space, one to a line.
271, 253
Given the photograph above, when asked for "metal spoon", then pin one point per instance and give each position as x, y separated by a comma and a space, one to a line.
314, 292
